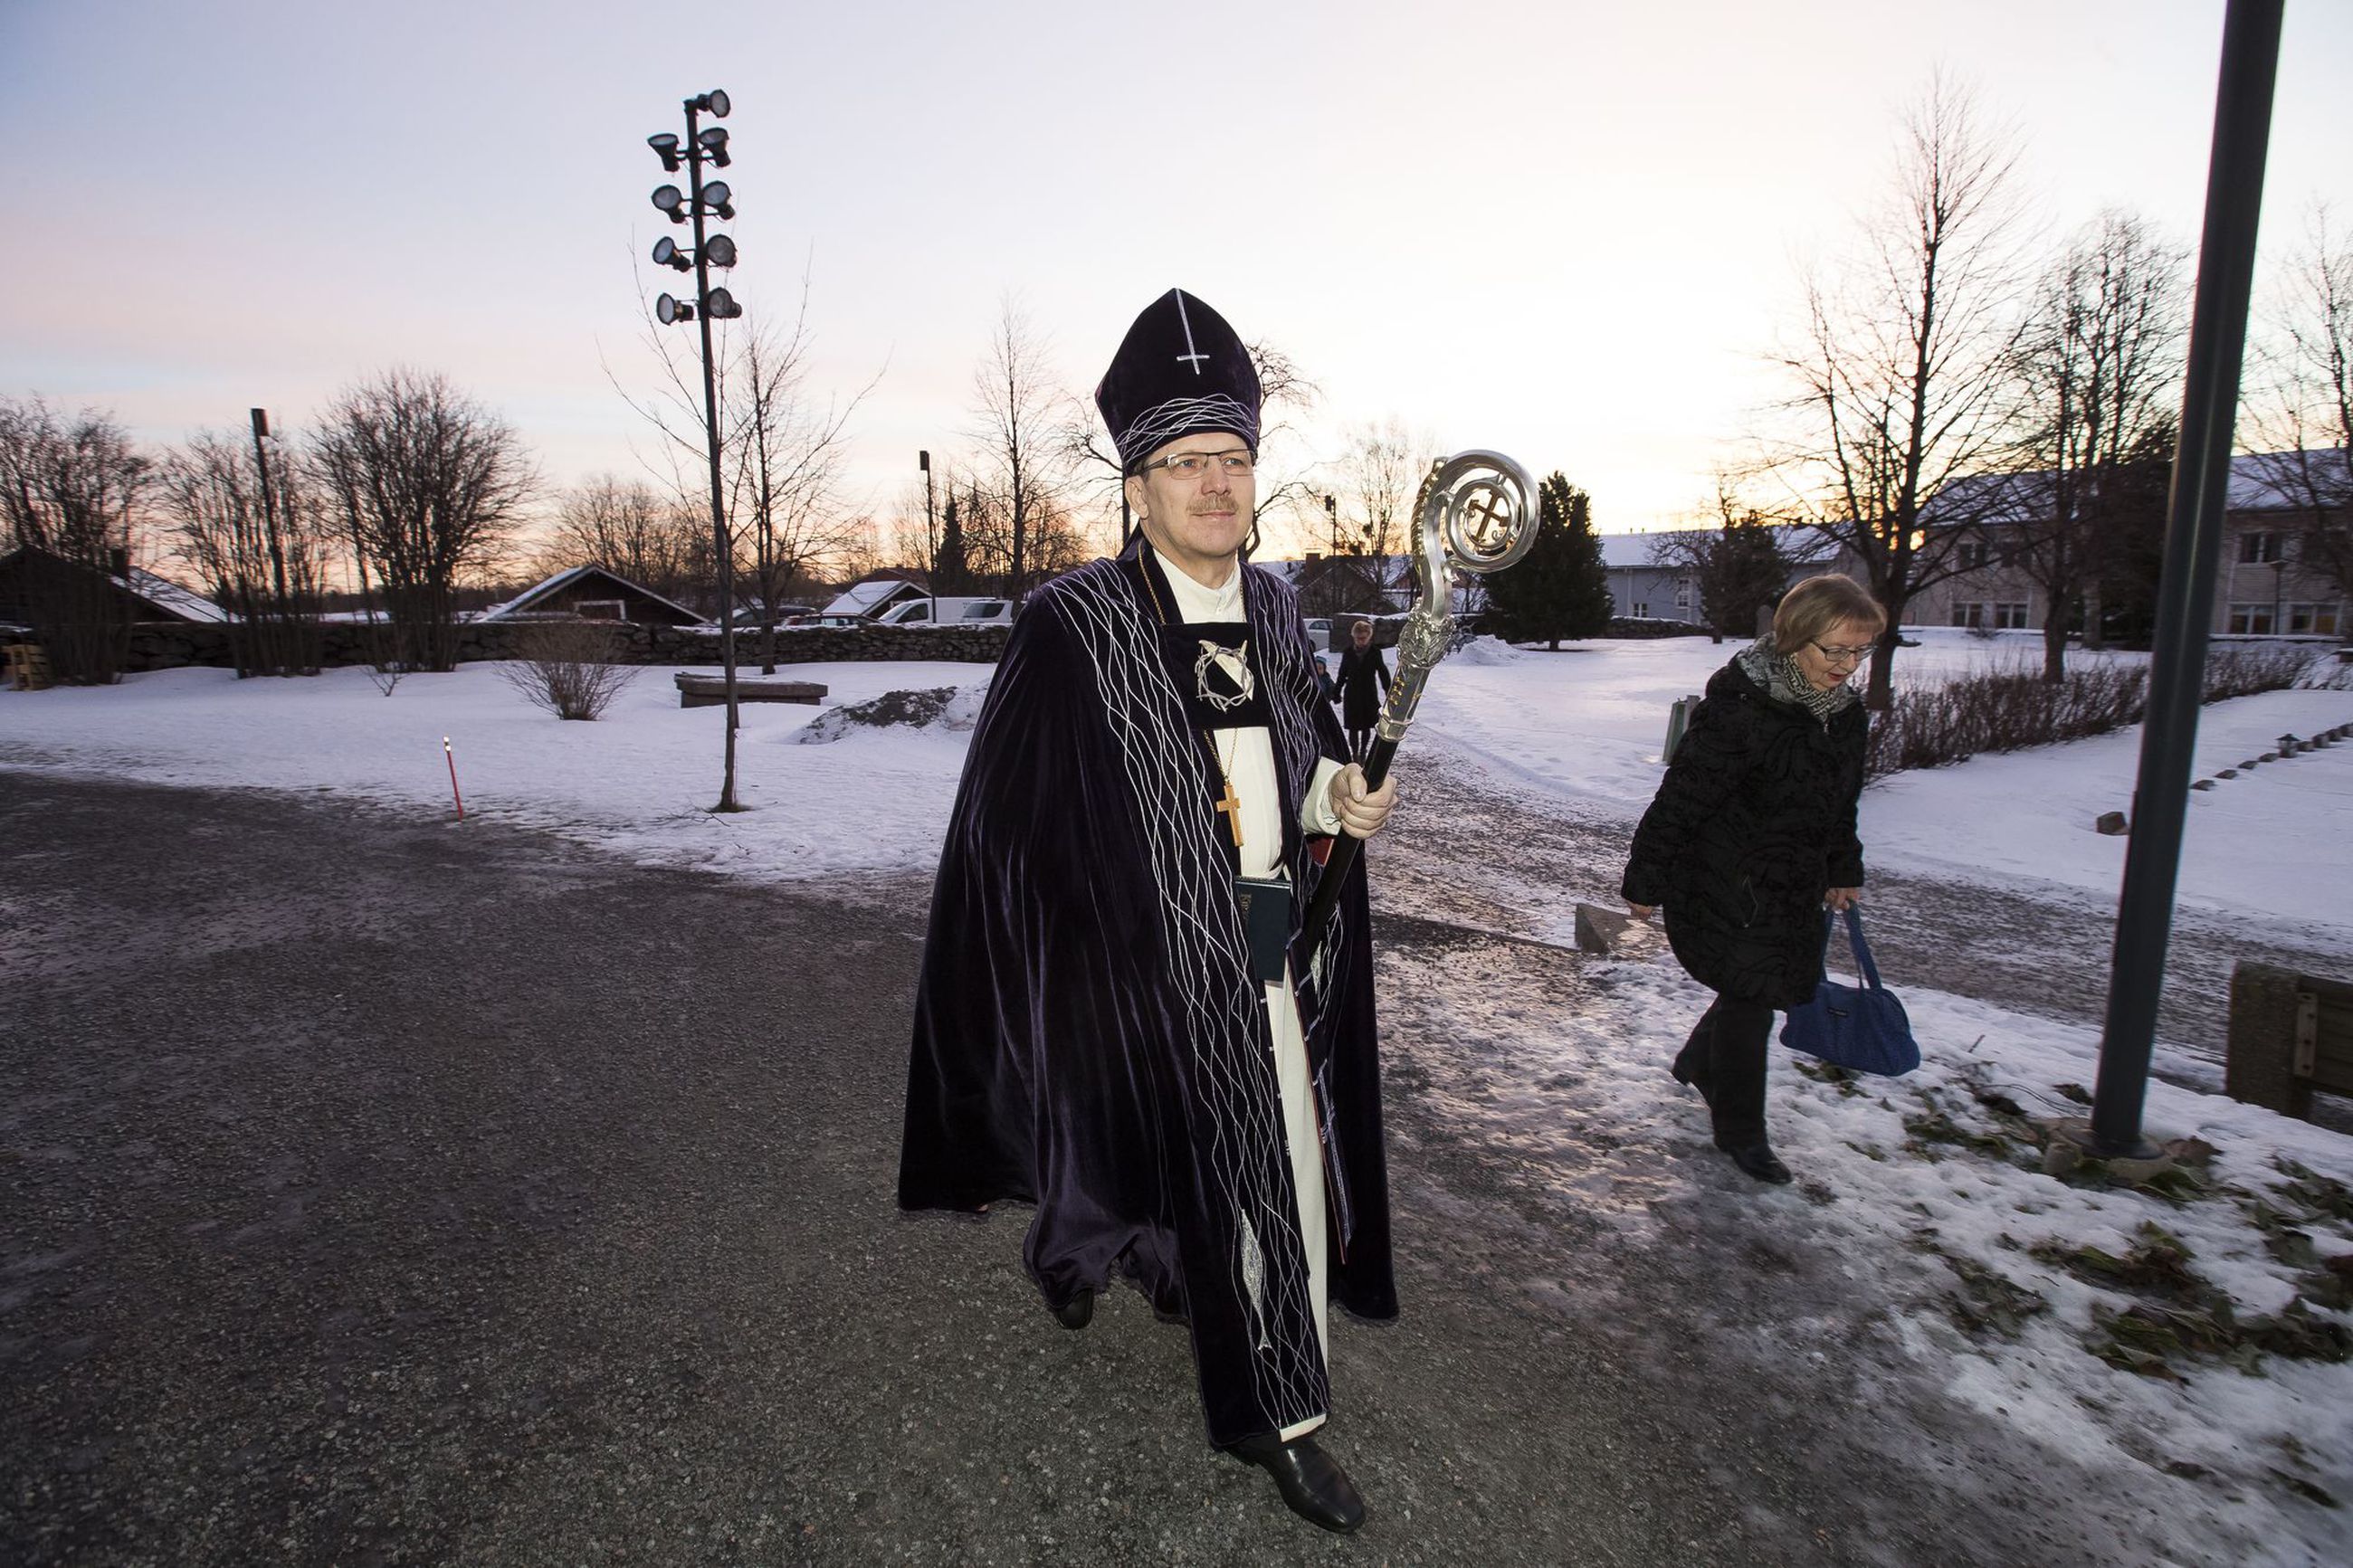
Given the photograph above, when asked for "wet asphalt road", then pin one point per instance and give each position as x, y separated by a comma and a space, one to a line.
382, 1190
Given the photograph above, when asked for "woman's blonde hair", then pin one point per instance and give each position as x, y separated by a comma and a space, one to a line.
1819, 604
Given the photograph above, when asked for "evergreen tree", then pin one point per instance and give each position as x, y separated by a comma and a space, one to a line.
949, 574
1740, 574
1561, 588
2127, 540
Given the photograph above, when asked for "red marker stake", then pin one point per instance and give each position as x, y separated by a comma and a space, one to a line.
453, 778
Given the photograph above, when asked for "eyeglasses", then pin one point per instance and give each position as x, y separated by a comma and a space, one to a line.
1843, 655
1193, 465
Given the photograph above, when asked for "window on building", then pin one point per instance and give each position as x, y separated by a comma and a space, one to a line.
1642, 609
2251, 620
1972, 556
2011, 615
601, 609
2325, 620
1970, 616
2255, 549
1682, 593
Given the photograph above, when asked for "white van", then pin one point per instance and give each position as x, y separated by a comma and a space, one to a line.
954, 610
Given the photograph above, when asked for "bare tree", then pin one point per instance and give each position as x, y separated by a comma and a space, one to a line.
429, 484
629, 529
259, 539
2306, 415
71, 491
1022, 452
1379, 473
1905, 361
2099, 367
981, 515
786, 453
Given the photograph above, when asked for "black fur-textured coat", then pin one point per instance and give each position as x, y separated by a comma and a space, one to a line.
1753, 823
1360, 704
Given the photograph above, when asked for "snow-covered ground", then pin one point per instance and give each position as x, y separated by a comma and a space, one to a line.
1932, 1187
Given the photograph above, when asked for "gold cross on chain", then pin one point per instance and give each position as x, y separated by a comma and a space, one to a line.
1232, 806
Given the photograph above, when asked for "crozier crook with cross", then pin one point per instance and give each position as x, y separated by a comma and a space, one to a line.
1477, 513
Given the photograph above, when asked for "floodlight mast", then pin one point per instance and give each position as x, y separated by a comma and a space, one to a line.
695, 155
701, 201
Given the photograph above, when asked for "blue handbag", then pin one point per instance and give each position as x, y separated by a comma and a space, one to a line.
1860, 1027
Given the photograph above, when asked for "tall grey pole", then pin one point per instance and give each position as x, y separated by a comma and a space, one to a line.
268, 520
723, 558
2193, 551
275, 657
931, 532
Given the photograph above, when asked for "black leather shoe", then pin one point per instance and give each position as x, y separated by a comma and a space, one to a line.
1760, 1160
1080, 1310
1310, 1480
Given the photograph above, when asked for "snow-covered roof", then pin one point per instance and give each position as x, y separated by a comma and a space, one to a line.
167, 595
865, 598
1634, 549
2260, 481
522, 602
1294, 572
1801, 545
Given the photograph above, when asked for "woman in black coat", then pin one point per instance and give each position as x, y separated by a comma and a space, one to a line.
1751, 835
1361, 665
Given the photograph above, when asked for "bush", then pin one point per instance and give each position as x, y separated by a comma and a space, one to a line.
2011, 707
568, 667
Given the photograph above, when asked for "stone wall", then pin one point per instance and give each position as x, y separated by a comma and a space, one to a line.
178, 644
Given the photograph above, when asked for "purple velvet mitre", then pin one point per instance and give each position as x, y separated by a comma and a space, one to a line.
1179, 369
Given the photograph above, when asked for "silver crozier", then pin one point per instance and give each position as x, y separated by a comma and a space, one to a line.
1477, 513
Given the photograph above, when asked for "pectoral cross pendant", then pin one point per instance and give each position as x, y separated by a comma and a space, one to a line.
1231, 805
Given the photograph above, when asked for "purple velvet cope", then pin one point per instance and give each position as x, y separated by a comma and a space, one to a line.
1087, 1037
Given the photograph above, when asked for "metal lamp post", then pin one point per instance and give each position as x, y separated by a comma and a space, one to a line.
931, 534
704, 199
2195, 514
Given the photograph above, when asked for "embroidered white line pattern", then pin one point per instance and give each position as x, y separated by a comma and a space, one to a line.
1292, 698
1236, 1101
1164, 422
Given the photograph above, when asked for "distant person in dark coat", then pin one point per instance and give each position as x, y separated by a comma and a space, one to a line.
1361, 665
1751, 835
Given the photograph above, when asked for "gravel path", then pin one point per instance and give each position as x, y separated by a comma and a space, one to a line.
1492, 855
381, 1191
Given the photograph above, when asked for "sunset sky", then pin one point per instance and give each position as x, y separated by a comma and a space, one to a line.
1569, 231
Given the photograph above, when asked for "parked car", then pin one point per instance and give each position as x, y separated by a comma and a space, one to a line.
786, 615
954, 610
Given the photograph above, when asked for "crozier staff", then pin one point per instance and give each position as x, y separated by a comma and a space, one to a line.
1751, 834
1115, 1019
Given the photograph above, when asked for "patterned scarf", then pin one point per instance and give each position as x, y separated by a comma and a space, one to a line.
1779, 674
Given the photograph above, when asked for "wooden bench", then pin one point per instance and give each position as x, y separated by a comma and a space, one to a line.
28, 667
711, 691
2290, 1033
